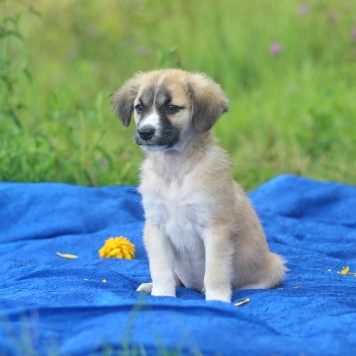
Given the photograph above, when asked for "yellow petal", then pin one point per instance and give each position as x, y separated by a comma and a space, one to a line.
345, 270
242, 303
126, 255
104, 280
112, 253
66, 255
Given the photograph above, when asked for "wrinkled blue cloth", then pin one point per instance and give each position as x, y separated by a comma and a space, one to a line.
53, 305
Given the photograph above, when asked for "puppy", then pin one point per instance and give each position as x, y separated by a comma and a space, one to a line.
201, 230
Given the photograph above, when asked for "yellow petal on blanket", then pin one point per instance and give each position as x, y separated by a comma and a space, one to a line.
104, 280
345, 270
238, 304
66, 255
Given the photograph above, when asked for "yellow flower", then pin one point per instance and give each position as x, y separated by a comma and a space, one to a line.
118, 247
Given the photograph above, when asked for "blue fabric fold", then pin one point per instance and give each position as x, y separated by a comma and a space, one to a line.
53, 305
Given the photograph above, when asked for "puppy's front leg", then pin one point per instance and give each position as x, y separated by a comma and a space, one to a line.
161, 258
218, 263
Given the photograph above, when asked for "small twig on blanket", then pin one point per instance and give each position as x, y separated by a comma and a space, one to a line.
238, 304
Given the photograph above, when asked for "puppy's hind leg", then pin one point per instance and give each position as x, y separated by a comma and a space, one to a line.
145, 287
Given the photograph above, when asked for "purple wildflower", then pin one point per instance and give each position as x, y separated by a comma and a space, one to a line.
353, 34
334, 16
104, 162
142, 51
303, 9
275, 48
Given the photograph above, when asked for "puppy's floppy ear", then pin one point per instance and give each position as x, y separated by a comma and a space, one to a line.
209, 102
123, 98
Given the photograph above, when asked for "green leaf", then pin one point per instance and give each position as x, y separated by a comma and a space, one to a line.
8, 82
27, 74
12, 114
7, 33
13, 20
33, 11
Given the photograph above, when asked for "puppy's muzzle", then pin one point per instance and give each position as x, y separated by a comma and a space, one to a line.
146, 132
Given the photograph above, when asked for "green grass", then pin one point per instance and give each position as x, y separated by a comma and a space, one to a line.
290, 113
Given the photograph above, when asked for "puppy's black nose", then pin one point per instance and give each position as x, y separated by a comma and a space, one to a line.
146, 132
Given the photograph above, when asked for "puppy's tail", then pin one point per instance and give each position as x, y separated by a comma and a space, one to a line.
276, 271
272, 275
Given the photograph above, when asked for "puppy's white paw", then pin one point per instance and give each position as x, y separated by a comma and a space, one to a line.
145, 287
164, 291
221, 297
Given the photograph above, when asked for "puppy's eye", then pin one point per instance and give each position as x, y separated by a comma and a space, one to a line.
139, 108
172, 109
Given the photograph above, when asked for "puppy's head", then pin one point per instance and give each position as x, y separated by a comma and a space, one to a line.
168, 104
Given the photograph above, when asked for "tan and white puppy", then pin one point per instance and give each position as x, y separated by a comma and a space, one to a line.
201, 230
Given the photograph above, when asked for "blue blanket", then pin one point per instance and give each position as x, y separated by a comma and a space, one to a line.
51, 305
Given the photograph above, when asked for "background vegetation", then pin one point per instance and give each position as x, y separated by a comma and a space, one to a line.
289, 68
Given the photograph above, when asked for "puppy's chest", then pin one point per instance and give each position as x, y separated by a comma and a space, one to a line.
177, 211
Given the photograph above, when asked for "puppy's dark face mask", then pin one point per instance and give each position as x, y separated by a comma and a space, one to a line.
157, 117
